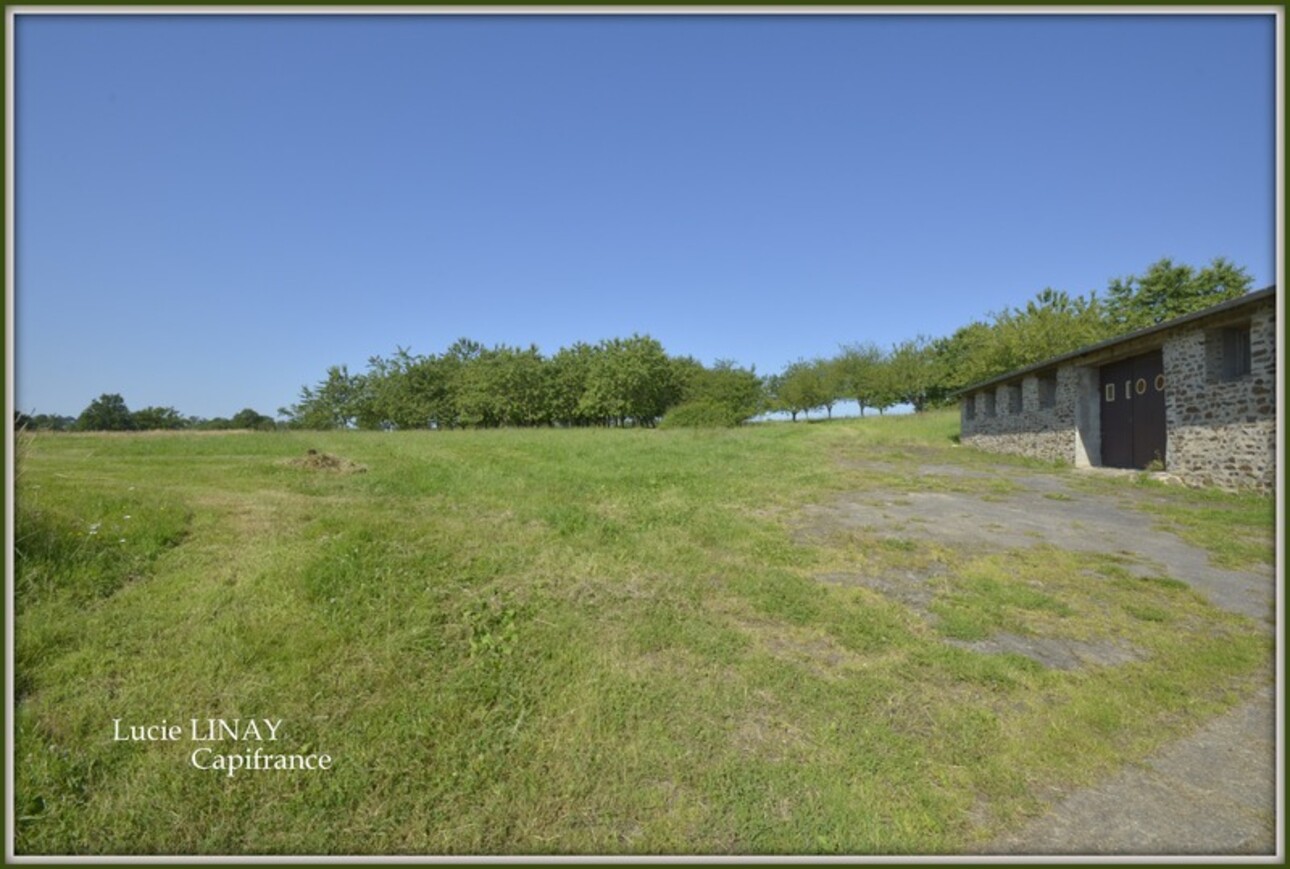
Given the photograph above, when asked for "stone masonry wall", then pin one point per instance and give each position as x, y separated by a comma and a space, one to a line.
1222, 432
1038, 432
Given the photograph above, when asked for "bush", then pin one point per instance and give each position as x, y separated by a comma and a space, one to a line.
702, 414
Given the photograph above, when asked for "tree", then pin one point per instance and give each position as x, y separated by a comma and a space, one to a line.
219, 423
47, 422
1050, 324
158, 418
108, 412
629, 379
339, 401
773, 387
569, 371
912, 373
1169, 290
860, 374
724, 395
251, 419
801, 388
505, 386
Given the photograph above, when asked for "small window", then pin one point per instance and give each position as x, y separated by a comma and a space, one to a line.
1236, 353
989, 403
969, 408
1048, 391
1012, 398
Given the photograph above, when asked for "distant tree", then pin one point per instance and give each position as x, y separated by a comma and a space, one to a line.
723, 395
464, 350
1051, 323
831, 383
525, 386
569, 372
481, 398
339, 401
417, 392
629, 380
22, 421
252, 419
158, 418
108, 412
49, 422
773, 387
1169, 290
801, 388
911, 373
860, 374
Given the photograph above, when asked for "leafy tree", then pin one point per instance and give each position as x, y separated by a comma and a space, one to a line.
723, 395
773, 387
568, 373
1169, 290
108, 412
912, 373
505, 386
248, 418
219, 423
158, 418
480, 399
629, 379
701, 413
801, 388
47, 422
860, 374
1051, 323
526, 387
963, 358
339, 401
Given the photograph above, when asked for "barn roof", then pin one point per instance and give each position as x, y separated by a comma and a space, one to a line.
1221, 308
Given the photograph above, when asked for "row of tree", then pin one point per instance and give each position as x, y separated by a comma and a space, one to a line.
618, 382
109, 412
925, 372
634, 381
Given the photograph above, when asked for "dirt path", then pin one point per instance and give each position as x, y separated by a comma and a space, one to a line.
1212, 793
1046, 509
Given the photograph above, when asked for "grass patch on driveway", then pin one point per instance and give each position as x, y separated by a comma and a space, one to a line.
566, 642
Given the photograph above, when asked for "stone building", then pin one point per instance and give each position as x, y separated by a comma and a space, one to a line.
1195, 396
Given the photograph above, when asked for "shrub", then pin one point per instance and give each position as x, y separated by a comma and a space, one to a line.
702, 414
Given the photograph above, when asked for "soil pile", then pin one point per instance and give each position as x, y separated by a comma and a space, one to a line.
317, 461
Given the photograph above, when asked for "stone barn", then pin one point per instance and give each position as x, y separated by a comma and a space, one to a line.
1195, 396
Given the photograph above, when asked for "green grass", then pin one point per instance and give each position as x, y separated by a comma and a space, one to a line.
566, 642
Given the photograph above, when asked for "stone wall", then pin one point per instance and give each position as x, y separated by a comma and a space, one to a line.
1032, 430
1222, 431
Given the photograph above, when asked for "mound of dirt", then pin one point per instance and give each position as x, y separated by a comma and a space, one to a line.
317, 461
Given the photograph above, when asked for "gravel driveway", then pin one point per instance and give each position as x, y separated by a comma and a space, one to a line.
1211, 793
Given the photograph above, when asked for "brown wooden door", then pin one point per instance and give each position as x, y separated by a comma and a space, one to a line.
1133, 412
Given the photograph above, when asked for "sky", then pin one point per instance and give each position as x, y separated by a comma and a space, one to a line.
211, 210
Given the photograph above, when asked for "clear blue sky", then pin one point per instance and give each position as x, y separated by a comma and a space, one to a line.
212, 210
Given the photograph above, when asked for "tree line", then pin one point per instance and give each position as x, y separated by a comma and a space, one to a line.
925, 372
617, 382
635, 382
109, 412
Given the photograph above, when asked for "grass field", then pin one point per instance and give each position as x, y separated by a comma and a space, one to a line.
569, 642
